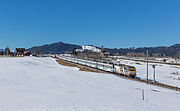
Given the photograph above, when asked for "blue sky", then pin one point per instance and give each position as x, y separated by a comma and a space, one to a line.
111, 23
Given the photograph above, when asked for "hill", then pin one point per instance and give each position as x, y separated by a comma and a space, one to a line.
55, 48
160, 51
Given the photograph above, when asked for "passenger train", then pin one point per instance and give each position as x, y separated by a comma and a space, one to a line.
114, 68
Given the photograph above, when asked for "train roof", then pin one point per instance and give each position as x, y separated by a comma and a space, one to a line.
104, 62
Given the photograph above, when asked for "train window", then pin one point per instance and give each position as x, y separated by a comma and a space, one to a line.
132, 69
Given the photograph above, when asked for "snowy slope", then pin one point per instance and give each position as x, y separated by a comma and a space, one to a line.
40, 84
90, 48
152, 59
168, 74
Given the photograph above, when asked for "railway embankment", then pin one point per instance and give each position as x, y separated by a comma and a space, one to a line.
81, 67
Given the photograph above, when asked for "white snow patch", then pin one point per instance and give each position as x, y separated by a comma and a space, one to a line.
90, 48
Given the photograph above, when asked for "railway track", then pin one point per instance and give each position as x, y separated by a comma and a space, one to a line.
125, 77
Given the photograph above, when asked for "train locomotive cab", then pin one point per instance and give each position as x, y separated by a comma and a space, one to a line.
132, 71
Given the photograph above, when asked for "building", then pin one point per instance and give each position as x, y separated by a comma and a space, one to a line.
20, 52
104, 54
1, 51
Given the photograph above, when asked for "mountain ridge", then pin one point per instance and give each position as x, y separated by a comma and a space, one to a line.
60, 47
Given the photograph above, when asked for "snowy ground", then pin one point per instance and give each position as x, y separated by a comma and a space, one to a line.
152, 59
40, 84
168, 74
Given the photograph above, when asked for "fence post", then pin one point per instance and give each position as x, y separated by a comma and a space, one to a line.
143, 94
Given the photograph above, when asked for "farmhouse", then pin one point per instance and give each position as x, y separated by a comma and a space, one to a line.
19, 51
1, 51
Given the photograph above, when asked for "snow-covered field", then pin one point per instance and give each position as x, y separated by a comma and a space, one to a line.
152, 59
41, 84
168, 74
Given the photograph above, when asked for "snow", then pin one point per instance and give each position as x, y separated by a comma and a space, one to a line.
152, 59
88, 47
41, 84
164, 73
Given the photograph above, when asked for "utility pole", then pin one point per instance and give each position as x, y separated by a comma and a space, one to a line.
74, 53
154, 72
96, 60
147, 66
113, 68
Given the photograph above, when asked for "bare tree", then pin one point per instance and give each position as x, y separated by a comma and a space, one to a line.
74, 51
7, 51
178, 54
38, 51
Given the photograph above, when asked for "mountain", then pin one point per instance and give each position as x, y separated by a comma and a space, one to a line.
176, 46
159, 51
60, 47
54, 48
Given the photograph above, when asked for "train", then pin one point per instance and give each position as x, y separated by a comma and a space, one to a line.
108, 67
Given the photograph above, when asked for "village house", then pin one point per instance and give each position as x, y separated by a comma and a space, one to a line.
104, 53
19, 52
1, 51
